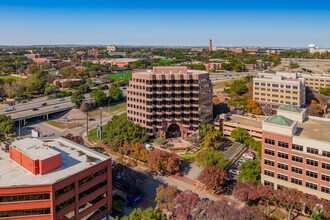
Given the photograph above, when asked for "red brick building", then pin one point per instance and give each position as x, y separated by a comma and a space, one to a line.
296, 152
93, 52
170, 101
54, 179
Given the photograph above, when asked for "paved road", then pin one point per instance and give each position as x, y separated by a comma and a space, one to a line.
223, 77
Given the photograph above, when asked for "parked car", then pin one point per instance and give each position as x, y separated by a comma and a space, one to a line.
61, 99
234, 172
24, 101
9, 109
35, 109
19, 101
66, 119
236, 122
148, 146
55, 106
43, 104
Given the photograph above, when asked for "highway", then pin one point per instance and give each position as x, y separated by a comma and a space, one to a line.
25, 111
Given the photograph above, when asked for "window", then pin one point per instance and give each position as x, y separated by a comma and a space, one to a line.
267, 183
92, 189
296, 170
312, 150
91, 177
326, 153
297, 159
24, 212
325, 189
269, 162
16, 198
283, 155
269, 173
325, 178
287, 86
297, 147
283, 144
269, 141
256, 93
311, 174
312, 162
311, 185
326, 166
282, 166
270, 152
296, 181
295, 87
282, 177
275, 85
295, 92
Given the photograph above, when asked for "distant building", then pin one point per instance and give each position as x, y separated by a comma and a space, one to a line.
247, 49
53, 178
93, 52
170, 101
296, 152
274, 89
274, 52
123, 62
67, 83
111, 48
236, 50
210, 45
313, 49
212, 66
197, 49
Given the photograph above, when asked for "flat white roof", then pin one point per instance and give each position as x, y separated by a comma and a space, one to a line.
34, 148
75, 158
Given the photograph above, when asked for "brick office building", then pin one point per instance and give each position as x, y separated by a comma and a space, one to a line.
170, 101
54, 179
296, 152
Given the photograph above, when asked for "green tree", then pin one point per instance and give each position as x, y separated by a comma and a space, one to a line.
239, 135
148, 214
50, 88
7, 126
250, 171
211, 158
325, 91
100, 97
209, 136
238, 86
77, 98
115, 94
120, 130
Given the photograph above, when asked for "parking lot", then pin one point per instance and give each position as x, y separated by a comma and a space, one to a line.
234, 168
229, 148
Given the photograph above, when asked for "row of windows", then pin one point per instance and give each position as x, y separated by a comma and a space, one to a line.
136, 93
282, 166
321, 80
16, 198
276, 101
170, 82
297, 147
311, 174
173, 88
296, 181
136, 113
137, 120
175, 102
282, 177
276, 85
136, 106
24, 212
171, 96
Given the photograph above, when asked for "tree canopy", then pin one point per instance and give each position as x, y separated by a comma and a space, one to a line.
7, 126
120, 130
115, 94
211, 158
250, 171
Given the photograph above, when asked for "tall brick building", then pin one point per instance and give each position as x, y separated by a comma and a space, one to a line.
53, 179
296, 152
170, 101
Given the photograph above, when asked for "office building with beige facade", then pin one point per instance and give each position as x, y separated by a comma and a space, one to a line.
316, 81
274, 89
296, 152
170, 101
226, 123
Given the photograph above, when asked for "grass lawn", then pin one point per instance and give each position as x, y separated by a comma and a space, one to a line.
220, 85
114, 109
188, 157
124, 75
93, 134
165, 61
7, 77
63, 125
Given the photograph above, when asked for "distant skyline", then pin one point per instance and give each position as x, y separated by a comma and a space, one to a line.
172, 23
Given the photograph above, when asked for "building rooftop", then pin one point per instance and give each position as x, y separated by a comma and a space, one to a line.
75, 158
279, 120
291, 108
34, 148
314, 129
256, 123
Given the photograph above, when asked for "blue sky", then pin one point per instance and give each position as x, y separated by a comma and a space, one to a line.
289, 23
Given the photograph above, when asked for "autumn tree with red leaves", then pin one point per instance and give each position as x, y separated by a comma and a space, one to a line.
165, 197
245, 191
290, 199
185, 202
161, 161
213, 179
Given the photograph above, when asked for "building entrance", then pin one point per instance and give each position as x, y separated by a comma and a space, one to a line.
173, 131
